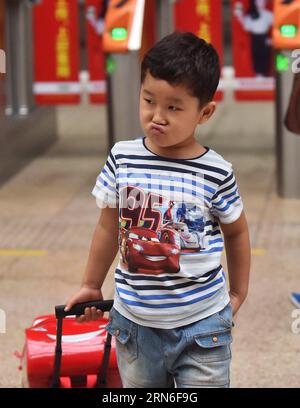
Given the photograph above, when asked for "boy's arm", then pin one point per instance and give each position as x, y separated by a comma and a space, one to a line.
238, 253
103, 249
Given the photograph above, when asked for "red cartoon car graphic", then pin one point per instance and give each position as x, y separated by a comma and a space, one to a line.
144, 252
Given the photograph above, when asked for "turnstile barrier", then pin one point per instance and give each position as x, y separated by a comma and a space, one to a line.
286, 41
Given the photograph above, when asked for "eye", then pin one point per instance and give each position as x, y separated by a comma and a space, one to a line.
132, 235
148, 101
173, 108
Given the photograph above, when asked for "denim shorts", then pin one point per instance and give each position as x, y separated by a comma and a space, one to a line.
197, 355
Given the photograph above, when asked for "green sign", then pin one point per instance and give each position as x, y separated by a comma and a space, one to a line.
288, 30
282, 62
119, 33
110, 65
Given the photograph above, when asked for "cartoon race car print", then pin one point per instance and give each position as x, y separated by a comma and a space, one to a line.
143, 251
188, 239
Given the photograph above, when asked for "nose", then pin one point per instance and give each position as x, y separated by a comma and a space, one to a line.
158, 117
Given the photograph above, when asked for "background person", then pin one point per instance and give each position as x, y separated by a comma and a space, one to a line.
257, 21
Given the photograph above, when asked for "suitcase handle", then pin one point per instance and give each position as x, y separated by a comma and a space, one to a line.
78, 309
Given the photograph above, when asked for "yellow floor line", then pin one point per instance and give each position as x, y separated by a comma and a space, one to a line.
258, 251
23, 252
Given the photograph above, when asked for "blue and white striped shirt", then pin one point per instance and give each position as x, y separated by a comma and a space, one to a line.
169, 272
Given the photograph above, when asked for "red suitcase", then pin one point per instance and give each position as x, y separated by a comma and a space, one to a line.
60, 352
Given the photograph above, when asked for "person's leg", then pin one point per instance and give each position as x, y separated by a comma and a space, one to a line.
261, 54
205, 361
139, 353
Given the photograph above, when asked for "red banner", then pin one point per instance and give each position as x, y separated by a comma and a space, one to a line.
56, 47
204, 19
149, 28
95, 13
252, 49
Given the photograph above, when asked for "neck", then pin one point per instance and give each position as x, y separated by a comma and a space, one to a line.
184, 150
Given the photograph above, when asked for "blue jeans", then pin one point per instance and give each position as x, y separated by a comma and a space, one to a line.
196, 355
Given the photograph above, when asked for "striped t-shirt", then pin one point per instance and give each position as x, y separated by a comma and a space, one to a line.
169, 272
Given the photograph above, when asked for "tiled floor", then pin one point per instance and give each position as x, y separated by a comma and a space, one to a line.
48, 208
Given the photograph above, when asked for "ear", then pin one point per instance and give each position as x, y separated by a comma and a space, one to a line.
206, 112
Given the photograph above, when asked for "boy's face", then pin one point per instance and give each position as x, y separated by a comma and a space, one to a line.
169, 114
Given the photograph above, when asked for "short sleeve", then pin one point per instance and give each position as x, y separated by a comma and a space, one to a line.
248, 24
105, 189
227, 204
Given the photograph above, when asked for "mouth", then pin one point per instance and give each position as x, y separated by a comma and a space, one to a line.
157, 130
155, 258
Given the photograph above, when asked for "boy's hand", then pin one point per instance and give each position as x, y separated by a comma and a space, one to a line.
236, 303
86, 294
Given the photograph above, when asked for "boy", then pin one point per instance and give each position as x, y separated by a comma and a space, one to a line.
172, 314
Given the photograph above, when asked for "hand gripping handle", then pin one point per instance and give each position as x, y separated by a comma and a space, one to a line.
78, 309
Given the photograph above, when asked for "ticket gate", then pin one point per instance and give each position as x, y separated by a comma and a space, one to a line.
286, 41
131, 27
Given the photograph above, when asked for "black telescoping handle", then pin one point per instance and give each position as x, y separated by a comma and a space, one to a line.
78, 309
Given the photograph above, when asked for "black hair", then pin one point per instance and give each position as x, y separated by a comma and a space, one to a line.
252, 11
183, 58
